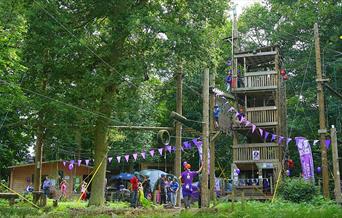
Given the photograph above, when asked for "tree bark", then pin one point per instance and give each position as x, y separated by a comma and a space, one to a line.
101, 147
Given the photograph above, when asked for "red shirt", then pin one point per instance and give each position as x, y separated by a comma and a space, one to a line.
134, 181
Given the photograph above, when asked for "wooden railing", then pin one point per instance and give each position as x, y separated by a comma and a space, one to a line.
256, 152
257, 80
262, 115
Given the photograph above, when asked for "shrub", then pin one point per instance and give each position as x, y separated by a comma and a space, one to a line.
297, 190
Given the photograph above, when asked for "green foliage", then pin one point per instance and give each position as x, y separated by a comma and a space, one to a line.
297, 190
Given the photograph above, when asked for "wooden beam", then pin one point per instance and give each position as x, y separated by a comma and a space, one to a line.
333, 91
256, 55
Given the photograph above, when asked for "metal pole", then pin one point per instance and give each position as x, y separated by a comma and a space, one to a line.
322, 131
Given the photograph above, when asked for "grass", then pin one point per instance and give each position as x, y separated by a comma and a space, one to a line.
317, 208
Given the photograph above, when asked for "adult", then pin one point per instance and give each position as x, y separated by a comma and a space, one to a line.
63, 188
146, 187
162, 189
134, 188
187, 178
174, 186
47, 185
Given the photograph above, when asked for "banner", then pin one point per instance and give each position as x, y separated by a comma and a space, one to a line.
306, 160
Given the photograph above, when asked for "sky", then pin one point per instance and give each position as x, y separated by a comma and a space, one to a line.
243, 4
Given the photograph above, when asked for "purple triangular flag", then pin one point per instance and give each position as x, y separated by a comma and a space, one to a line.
160, 151
71, 166
242, 120
261, 131
110, 159
152, 152
327, 143
253, 127
237, 114
118, 158
64, 163
187, 145
79, 162
168, 148
280, 139
72, 161
247, 123
135, 156
288, 141
143, 154
273, 137
87, 162
127, 157
266, 135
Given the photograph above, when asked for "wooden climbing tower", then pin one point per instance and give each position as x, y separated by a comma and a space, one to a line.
260, 94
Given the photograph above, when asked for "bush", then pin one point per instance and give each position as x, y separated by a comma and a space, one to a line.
297, 190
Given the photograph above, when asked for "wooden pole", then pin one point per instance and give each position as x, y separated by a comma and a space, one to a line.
336, 166
205, 136
322, 131
179, 109
212, 140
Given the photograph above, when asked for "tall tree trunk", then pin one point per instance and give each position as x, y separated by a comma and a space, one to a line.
101, 129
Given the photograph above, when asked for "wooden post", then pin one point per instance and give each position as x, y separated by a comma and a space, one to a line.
337, 190
322, 131
179, 110
38, 163
212, 140
205, 137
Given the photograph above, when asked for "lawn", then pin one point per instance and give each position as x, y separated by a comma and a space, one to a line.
279, 209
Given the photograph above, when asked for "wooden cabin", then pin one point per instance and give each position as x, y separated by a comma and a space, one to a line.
260, 94
23, 175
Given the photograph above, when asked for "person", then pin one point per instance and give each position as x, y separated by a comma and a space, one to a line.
162, 189
241, 113
134, 188
29, 188
47, 185
142, 200
174, 186
63, 187
84, 191
187, 177
146, 187
239, 79
167, 190
216, 115
228, 80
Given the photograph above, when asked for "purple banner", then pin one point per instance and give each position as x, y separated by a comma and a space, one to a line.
306, 160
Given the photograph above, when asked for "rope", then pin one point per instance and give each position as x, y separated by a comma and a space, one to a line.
20, 195
277, 185
97, 169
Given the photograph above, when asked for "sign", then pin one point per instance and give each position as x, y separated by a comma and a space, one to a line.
256, 155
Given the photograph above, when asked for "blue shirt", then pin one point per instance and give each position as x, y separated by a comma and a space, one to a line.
174, 186
47, 184
216, 112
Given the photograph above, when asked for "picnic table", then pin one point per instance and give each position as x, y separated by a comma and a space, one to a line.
10, 197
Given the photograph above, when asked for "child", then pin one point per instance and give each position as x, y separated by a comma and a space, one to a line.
229, 80
142, 200
63, 187
84, 191
174, 186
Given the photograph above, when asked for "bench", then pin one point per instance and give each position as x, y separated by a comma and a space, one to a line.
10, 197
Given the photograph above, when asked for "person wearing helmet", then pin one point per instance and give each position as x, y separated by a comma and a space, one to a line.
187, 178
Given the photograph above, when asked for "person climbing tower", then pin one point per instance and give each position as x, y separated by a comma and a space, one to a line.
229, 80
216, 115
